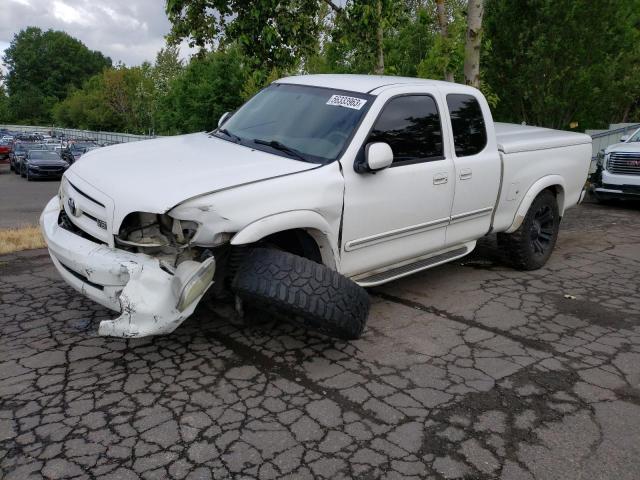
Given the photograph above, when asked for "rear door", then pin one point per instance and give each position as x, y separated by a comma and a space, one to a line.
477, 166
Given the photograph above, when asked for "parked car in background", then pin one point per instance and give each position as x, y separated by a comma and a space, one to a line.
617, 175
26, 147
6, 147
20, 150
316, 187
29, 137
54, 147
42, 164
74, 151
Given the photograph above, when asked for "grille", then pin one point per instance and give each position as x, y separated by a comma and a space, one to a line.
624, 163
64, 222
87, 212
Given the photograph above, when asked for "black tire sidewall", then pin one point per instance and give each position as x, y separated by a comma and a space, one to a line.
303, 291
518, 245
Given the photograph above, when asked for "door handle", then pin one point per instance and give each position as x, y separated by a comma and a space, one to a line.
440, 178
465, 174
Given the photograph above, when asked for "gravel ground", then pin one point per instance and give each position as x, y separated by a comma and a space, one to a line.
468, 370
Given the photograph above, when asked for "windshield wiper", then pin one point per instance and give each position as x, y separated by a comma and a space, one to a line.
282, 147
236, 138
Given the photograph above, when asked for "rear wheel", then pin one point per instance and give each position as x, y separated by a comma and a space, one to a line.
304, 291
530, 246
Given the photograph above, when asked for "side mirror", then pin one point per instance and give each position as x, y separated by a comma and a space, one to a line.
624, 138
223, 117
378, 156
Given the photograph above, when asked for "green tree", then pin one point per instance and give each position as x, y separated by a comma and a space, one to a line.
41, 68
207, 88
4, 105
166, 68
272, 33
119, 99
560, 61
359, 36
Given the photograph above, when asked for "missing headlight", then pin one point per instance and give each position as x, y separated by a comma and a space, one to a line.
155, 231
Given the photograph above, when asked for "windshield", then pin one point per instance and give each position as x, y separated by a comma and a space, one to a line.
635, 137
306, 123
43, 155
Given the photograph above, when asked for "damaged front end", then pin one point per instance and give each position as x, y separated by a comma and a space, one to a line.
156, 302
152, 274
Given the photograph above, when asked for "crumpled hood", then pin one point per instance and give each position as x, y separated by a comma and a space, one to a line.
623, 147
155, 175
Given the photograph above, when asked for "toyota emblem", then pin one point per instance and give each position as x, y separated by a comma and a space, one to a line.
72, 206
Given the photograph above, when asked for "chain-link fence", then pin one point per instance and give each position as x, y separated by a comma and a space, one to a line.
603, 138
76, 134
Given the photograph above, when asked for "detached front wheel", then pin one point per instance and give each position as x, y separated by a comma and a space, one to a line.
530, 246
304, 291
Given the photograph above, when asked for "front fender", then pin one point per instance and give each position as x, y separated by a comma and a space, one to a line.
307, 220
532, 193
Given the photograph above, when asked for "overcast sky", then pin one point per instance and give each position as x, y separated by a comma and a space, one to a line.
130, 31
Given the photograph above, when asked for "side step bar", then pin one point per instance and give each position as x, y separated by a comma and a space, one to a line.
405, 269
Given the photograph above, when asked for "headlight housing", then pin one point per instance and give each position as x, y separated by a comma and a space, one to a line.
191, 281
142, 229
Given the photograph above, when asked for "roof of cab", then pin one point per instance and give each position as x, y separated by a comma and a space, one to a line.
360, 83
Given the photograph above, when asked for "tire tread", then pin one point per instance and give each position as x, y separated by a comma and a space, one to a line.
314, 295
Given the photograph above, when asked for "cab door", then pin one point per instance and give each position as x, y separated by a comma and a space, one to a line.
477, 166
401, 212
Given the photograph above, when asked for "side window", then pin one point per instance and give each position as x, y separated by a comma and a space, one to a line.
467, 122
411, 126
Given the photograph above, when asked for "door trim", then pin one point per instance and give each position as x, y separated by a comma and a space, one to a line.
397, 233
481, 212
414, 229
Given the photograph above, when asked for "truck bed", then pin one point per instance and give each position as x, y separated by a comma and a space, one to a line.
531, 153
513, 138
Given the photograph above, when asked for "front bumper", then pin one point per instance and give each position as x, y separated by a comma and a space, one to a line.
134, 284
613, 190
46, 173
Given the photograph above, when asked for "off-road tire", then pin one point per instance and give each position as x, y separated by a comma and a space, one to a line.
303, 291
525, 248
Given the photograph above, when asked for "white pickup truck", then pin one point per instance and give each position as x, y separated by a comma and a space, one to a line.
617, 175
317, 187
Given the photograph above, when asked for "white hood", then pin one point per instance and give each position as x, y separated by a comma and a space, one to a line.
624, 147
155, 175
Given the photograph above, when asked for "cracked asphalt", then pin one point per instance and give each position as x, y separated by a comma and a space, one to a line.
470, 370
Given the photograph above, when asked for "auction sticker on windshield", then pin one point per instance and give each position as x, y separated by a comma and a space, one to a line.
348, 102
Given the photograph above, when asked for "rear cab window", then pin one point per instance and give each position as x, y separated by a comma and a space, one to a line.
467, 123
410, 124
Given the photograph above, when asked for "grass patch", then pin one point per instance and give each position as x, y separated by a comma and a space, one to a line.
22, 238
